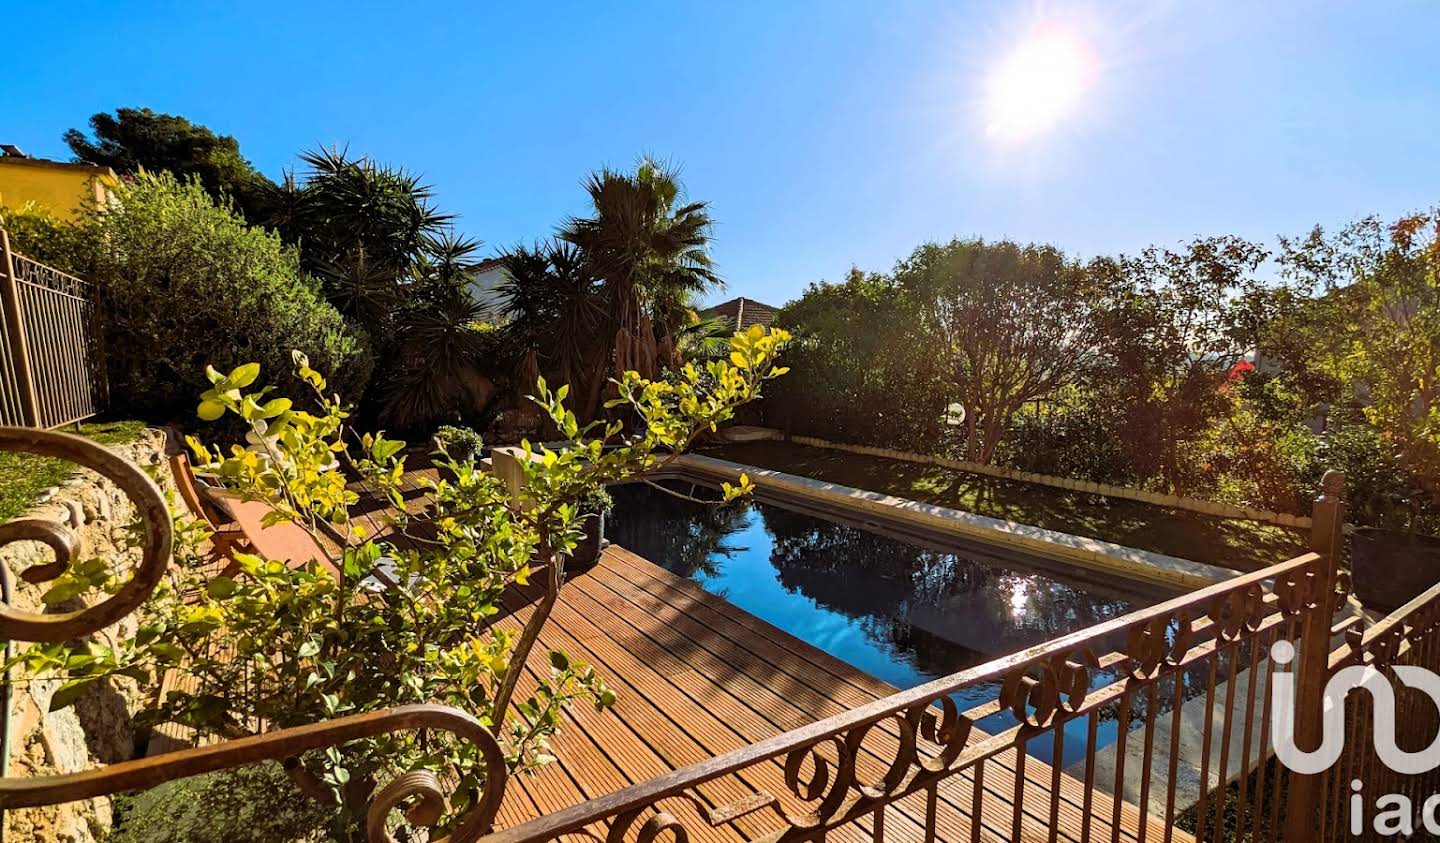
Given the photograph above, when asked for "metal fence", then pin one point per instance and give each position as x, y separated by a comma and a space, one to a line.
51, 370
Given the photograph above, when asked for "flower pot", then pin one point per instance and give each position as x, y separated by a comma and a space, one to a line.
1391, 567
587, 550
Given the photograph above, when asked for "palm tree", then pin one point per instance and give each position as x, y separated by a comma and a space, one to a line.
704, 338
439, 340
361, 226
649, 249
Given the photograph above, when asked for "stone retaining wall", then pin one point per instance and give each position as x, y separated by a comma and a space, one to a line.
97, 729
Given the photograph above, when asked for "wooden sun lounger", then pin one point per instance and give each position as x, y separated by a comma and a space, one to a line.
285, 541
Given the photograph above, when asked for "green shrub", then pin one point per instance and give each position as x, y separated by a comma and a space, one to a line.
461, 443
39, 235
1070, 439
1380, 489
254, 804
184, 283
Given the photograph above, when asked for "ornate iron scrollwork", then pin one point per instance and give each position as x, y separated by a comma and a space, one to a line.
154, 517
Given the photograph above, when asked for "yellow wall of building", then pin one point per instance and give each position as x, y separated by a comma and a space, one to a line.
62, 189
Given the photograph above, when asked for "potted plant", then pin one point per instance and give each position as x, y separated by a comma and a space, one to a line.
594, 506
459, 443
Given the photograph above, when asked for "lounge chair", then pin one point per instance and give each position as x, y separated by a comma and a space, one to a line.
285, 541
238, 525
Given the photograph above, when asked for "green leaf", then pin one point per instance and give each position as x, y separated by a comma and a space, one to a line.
275, 407
244, 375
220, 587
559, 660
167, 651
66, 695
210, 410
386, 448
66, 589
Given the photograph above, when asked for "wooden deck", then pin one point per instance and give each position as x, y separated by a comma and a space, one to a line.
697, 677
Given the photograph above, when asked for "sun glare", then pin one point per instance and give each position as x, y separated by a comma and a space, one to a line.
1039, 83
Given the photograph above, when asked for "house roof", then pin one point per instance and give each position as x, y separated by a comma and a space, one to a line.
744, 312
13, 156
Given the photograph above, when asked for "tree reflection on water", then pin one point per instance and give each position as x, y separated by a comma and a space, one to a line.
902, 612
937, 611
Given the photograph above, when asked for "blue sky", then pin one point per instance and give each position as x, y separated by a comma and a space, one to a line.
824, 134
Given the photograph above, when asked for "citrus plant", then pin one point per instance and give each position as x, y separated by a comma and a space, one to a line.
410, 616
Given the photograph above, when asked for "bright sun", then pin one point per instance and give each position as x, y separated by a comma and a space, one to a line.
1038, 84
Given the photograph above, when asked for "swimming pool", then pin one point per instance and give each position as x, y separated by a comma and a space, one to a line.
903, 610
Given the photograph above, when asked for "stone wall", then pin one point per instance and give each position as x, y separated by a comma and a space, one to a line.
97, 729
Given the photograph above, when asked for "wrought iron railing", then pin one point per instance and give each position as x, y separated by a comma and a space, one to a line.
988, 786
51, 372
1091, 736
1404, 640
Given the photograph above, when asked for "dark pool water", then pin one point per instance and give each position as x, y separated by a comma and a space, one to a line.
902, 612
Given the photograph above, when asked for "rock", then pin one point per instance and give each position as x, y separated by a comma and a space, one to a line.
97, 729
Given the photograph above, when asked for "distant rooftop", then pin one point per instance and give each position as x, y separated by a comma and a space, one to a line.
744, 312
12, 154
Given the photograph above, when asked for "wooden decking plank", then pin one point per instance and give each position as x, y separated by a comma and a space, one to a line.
886, 734
655, 707
738, 710
656, 582
630, 755
880, 750
639, 712
1036, 772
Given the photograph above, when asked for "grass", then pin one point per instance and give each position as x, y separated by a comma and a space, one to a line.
1229, 542
24, 476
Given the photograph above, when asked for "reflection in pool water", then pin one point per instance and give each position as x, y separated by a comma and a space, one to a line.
898, 611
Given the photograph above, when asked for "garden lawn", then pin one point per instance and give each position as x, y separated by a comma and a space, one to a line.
24, 476
1229, 542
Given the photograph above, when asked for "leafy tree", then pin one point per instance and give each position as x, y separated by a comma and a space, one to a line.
1384, 344
132, 139
185, 283
394, 621
1009, 325
862, 369
1173, 326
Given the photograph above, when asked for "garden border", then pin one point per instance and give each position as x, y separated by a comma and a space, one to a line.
1204, 507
